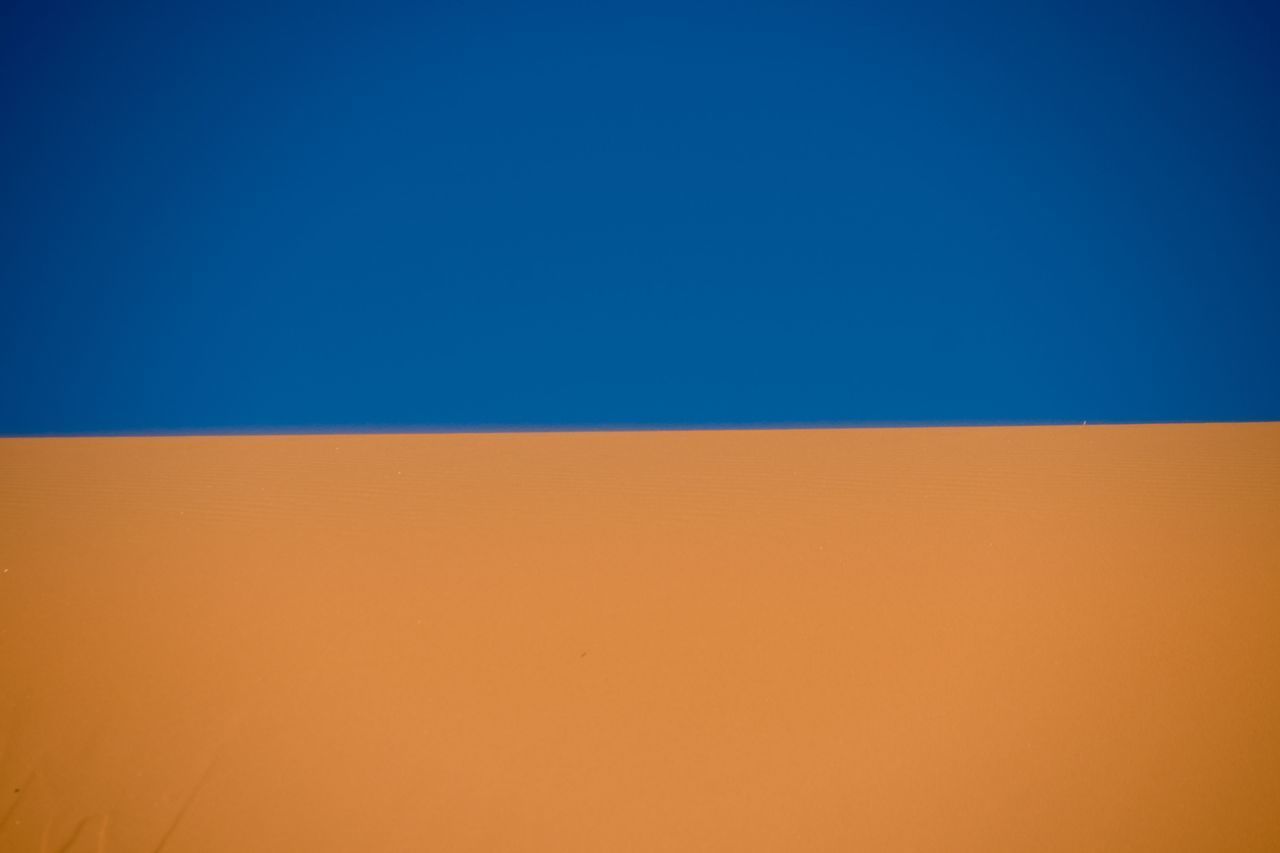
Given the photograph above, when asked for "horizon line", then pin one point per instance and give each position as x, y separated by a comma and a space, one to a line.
512, 429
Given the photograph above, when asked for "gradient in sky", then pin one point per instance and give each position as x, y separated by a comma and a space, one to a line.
539, 215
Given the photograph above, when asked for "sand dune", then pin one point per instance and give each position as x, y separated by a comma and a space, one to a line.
1047, 638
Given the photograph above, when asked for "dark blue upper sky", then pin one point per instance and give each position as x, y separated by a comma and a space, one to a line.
487, 215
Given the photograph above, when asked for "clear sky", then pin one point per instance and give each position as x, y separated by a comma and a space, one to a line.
319, 216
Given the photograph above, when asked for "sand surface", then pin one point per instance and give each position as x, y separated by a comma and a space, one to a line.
1021, 639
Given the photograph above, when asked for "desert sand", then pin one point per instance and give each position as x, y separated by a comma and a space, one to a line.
966, 639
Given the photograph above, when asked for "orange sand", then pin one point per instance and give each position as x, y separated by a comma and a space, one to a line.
1015, 639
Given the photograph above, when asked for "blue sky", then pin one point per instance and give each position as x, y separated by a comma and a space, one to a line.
554, 215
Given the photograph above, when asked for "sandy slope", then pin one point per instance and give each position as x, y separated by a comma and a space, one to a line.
955, 640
